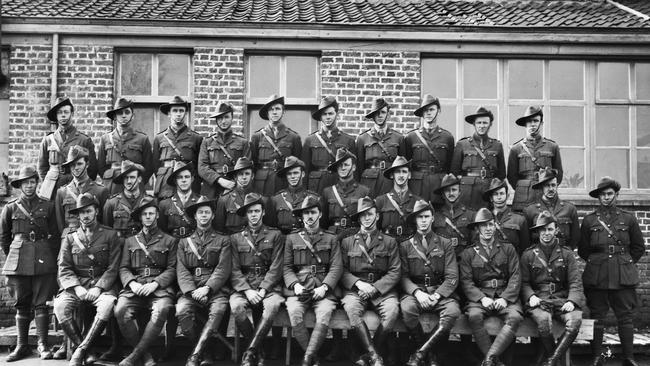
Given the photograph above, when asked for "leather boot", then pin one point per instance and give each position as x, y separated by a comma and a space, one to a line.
336, 352
563, 345
148, 360
301, 334
371, 357
245, 327
210, 327
42, 322
61, 352
417, 337
439, 334
151, 332
483, 341
547, 345
626, 335
597, 345
315, 342
628, 362
71, 330
113, 353
276, 349
501, 343
22, 347
96, 329
252, 354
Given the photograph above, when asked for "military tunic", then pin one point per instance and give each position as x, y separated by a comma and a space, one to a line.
393, 211
450, 221
226, 219
117, 214
512, 228
115, 147
268, 159
66, 199
218, 155
476, 171
173, 220
280, 210
375, 154
317, 157
336, 216
566, 215
184, 146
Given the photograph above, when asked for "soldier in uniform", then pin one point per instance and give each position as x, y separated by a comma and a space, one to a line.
118, 208
203, 268
25, 225
227, 220
148, 273
56, 145
88, 265
564, 212
478, 159
220, 152
551, 287
491, 280
394, 206
612, 243
321, 146
510, 226
175, 143
452, 219
272, 144
430, 149
256, 277
529, 155
66, 197
371, 272
429, 280
377, 148
123, 143
173, 220
312, 268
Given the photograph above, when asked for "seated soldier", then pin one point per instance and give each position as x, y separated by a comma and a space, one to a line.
226, 218
173, 220
453, 216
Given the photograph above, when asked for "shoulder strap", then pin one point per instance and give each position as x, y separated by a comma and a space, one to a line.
310, 247
423, 141
286, 201
394, 203
171, 143
486, 261
532, 157
419, 252
77, 240
24, 211
193, 248
451, 225
273, 145
183, 214
339, 200
250, 244
144, 249
320, 138
609, 231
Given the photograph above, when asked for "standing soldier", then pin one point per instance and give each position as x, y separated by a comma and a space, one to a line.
312, 269
371, 272
148, 273
256, 277
397, 204
529, 155
29, 239
321, 146
272, 144
452, 219
564, 212
88, 266
220, 152
552, 288
377, 148
611, 243
123, 143
430, 148
117, 210
511, 227
173, 218
478, 159
229, 202
429, 280
175, 143
56, 145
491, 280
203, 269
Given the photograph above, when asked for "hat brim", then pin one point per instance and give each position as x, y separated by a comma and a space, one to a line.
164, 109
411, 217
390, 170
536, 227
69, 162
51, 114
191, 209
111, 114
332, 167
75, 211
219, 114
135, 215
539, 184
443, 186
298, 211
171, 180
316, 115
119, 179
521, 121
231, 173
487, 194
472, 117
264, 111
595, 193
282, 172
372, 113
356, 214
17, 182
420, 111
242, 210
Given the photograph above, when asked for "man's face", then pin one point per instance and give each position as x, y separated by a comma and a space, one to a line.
486, 229
381, 116
275, 113
401, 176
88, 215
149, 216
311, 216
534, 125
549, 189
328, 117
225, 121
177, 115
423, 220
203, 216
368, 219
547, 233
64, 115
346, 168
430, 114
254, 214
184, 181
452, 193
79, 167
607, 197
244, 177
500, 197
132, 180
295, 176
28, 186
124, 116
482, 125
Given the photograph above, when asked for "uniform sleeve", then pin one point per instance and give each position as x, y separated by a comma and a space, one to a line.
361, 154
472, 292
524, 236
43, 159
637, 246
407, 284
290, 277
306, 158
526, 277
101, 157
585, 238
206, 172
110, 275
126, 276
92, 159
184, 276
237, 278
347, 278
255, 145
221, 273
102, 197
219, 222
147, 160
168, 276
53, 228
5, 228
107, 214
59, 209
576, 290
388, 281
451, 270
456, 160
501, 164
67, 278
513, 167
511, 293
450, 155
325, 217
408, 147
198, 140
402, 144
156, 154
336, 266
575, 229
163, 219
557, 164
297, 147
274, 274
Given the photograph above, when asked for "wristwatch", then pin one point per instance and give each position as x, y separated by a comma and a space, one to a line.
436, 296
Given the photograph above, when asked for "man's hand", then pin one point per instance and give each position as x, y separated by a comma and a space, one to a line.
298, 289
423, 299
319, 292
262, 292
226, 183
365, 288
135, 287
93, 294
201, 293
568, 307
434, 299
534, 301
253, 296
81, 292
149, 288
486, 302
499, 304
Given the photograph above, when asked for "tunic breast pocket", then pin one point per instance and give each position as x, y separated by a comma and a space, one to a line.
471, 160
53, 155
559, 269
416, 264
285, 147
380, 260
40, 217
245, 256
121, 219
598, 236
545, 158
187, 149
565, 227
215, 154
357, 260
319, 155
133, 152
137, 258
101, 254
80, 257
437, 258
190, 258
159, 256
623, 233
300, 255
213, 254
420, 152
525, 162
442, 152
266, 248
323, 251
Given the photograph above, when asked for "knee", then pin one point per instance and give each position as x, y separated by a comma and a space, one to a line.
513, 319
238, 307
390, 316
105, 308
159, 312
61, 310
475, 318
271, 308
573, 325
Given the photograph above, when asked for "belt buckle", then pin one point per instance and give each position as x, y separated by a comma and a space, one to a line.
551, 287
382, 164
147, 271
224, 169
91, 272
181, 231
432, 168
494, 283
32, 236
313, 269
275, 164
344, 221
198, 272
483, 173
427, 281
611, 249
399, 230
258, 271
371, 277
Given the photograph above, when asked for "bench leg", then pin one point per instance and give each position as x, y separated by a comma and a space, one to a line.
567, 357
287, 359
235, 352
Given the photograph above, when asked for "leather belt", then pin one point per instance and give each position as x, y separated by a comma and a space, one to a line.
320, 169
269, 165
431, 168
396, 230
427, 281
343, 222
257, 270
493, 283
31, 236
202, 271
483, 173
148, 271
182, 231
169, 163
528, 175
90, 272
313, 269
551, 287
370, 277
611, 249
378, 164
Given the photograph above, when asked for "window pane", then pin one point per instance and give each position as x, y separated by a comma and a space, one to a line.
4, 122
612, 126
301, 77
480, 79
144, 120
468, 129
567, 80
643, 168
525, 79
439, 77
4, 160
447, 119
643, 126
173, 74
566, 125
614, 163
573, 164
613, 80
136, 74
4, 66
298, 120
264, 76
643, 81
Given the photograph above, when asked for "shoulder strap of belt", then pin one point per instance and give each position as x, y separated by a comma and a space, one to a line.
364, 250
67, 188
609, 231
286, 201
250, 244
486, 261
77, 240
183, 214
144, 249
419, 252
194, 249
480, 152
532, 157
426, 144
226, 153
310, 247
451, 225
173, 145
24, 211
394, 203
56, 140
273, 145
544, 264
500, 230
339, 200
382, 147
329, 151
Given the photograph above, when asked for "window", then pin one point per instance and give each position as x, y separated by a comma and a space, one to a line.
297, 78
4, 113
151, 79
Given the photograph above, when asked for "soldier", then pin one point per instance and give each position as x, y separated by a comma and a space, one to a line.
312, 268
227, 220
173, 220
478, 158
551, 287
377, 148
511, 227
371, 272
612, 243
529, 155
429, 280
394, 206
272, 144
452, 219
203, 268
175, 143
256, 277
430, 148
491, 280
25, 225
148, 273
66, 197
56, 146
321, 146
220, 152
88, 266
564, 212
118, 208
123, 143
